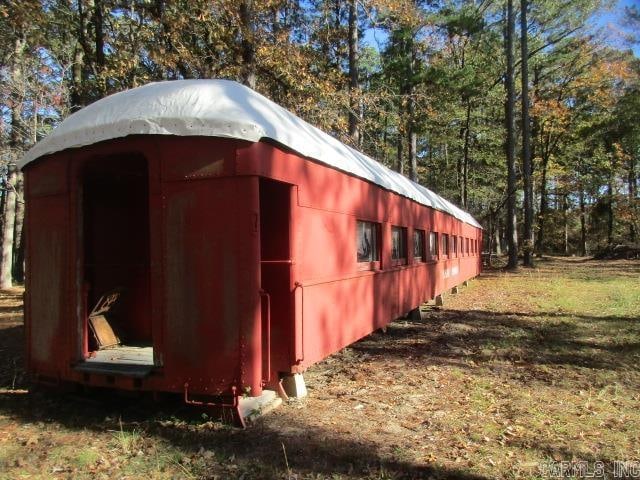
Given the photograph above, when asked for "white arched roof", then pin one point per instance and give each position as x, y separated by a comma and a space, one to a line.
223, 108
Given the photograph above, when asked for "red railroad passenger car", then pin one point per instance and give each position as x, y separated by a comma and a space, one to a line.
225, 243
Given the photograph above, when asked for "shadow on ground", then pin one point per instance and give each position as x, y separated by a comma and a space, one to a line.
450, 336
259, 451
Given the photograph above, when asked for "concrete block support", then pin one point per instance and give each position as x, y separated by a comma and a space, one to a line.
294, 385
252, 407
454, 290
439, 301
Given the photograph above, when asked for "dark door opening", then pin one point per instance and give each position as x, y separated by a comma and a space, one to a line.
276, 264
115, 236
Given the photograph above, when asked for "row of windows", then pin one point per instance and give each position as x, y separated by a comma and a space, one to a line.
424, 247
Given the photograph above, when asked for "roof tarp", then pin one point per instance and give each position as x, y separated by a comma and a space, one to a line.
223, 108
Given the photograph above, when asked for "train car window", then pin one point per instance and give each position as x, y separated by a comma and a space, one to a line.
418, 245
466, 249
398, 245
368, 241
433, 245
445, 244
454, 245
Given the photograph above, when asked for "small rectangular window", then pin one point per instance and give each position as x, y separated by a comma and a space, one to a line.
454, 245
368, 235
398, 245
418, 245
445, 244
433, 245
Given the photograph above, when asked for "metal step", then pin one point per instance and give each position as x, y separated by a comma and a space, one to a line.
129, 370
126, 360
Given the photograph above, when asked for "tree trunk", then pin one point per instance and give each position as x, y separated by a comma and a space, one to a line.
632, 199
489, 238
446, 167
543, 207
98, 21
459, 177
248, 74
16, 143
82, 59
565, 219
354, 85
535, 128
18, 238
412, 136
77, 97
9, 216
610, 210
399, 156
512, 227
3, 200
583, 224
413, 161
465, 157
527, 172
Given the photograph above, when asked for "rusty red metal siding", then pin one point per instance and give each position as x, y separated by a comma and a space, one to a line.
328, 204
229, 221
47, 282
211, 283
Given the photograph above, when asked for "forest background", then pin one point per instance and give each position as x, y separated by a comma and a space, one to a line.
523, 112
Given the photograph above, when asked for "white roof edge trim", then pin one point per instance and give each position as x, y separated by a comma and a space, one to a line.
223, 108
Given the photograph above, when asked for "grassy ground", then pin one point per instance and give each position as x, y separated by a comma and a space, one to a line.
515, 372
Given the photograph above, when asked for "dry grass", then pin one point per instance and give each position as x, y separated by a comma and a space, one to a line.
516, 371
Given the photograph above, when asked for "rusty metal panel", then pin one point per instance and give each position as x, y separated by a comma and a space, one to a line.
47, 271
335, 303
212, 283
48, 176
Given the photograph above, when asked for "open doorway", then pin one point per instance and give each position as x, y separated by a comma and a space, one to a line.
115, 235
275, 272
